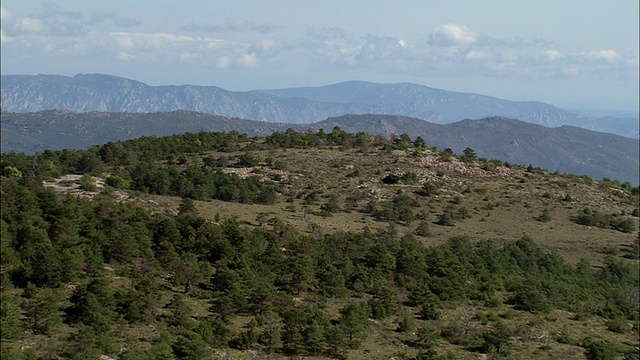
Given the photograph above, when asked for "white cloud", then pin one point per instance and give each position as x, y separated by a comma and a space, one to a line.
55, 21
137, 57
29, 25
333, 48
205, 51
269, 47
478, 55
4, 14
224, 62
4, 38
150, 40
190, 56
553, 55
231, 26
267, 44
124, 41
608, 54
247, 60
452, 35
123, 56
451, 50
111, 17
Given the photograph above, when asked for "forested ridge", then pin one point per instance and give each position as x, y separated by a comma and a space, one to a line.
99, 271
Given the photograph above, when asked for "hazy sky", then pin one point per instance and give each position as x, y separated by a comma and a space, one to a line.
565, 52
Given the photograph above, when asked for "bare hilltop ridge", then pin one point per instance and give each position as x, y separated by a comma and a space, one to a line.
565, 149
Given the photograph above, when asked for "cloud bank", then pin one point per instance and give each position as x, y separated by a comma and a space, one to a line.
448, 50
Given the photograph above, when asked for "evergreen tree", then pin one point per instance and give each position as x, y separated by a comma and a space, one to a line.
271, 326
214, 331
354, 323
497, 339
406, 321
92, 305
41, 310
293, 323
10, 324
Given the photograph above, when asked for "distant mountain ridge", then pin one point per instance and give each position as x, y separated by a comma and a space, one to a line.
564, 149
415, 98
98, 92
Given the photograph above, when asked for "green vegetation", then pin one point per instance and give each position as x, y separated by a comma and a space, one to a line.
214, 245
613, 221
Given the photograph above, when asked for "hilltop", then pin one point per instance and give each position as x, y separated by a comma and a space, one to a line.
565, 149
324, 244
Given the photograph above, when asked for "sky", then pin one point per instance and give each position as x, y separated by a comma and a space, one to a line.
571, 53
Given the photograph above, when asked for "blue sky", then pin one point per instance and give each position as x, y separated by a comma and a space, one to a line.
580, 53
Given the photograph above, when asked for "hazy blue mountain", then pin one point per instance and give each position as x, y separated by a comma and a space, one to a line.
450, 106
565, 149
96, 92
628, 126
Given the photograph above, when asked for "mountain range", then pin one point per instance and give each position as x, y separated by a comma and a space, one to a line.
305, 105
565, 149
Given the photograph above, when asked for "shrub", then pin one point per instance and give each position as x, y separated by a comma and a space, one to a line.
496, 339
625, 225
613, 221
429, 310
87, 184
423, 229
530, 299
409, 177
391, 179
406, 321
544, 216
445, 220
618, 325
428, 189
604, 350
117, 182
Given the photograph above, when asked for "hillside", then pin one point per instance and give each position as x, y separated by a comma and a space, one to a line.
60, 129
104, 93
327, 245
564, 149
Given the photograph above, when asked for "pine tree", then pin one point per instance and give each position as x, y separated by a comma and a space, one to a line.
354, 323
42, 310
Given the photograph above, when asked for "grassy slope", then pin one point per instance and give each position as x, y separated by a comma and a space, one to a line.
503, 207
503, 204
